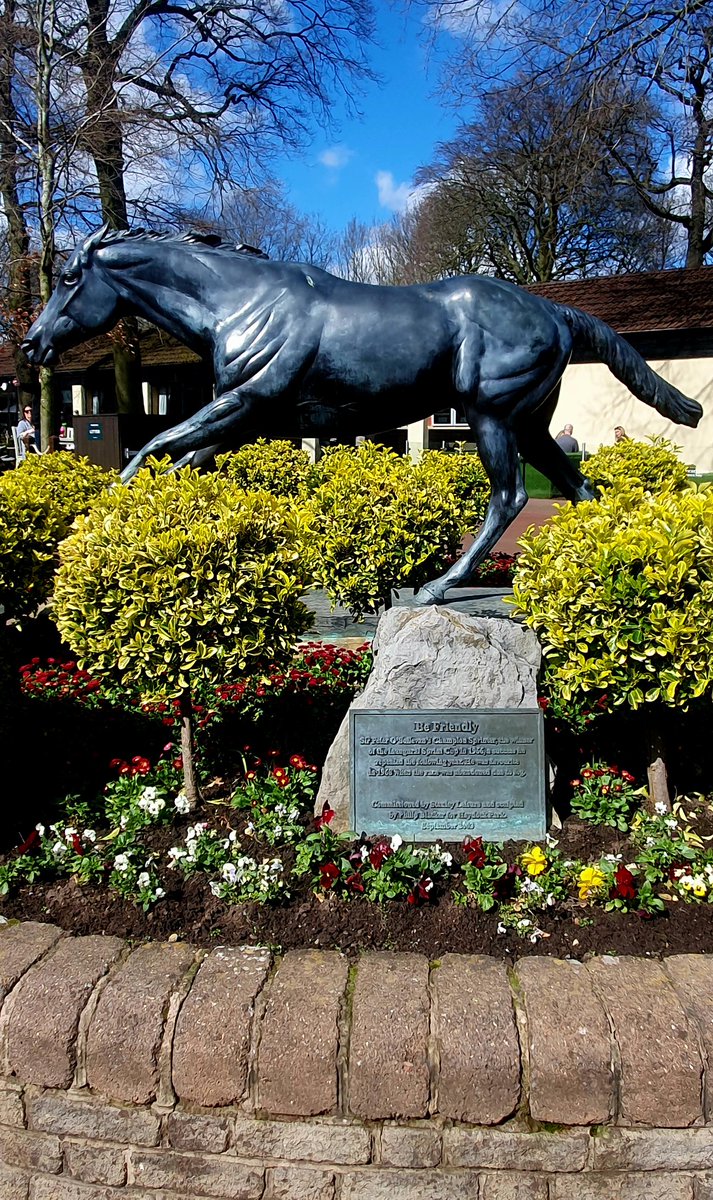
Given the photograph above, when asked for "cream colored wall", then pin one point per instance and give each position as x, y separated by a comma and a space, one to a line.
593, 401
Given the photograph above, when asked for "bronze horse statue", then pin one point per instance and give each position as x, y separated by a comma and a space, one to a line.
297, 351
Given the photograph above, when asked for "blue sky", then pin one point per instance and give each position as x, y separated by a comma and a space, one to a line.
366, 169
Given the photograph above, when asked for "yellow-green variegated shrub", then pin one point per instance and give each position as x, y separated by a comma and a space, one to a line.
275, 466
380, 522
654, 465
38, 504
620, 592
181, 578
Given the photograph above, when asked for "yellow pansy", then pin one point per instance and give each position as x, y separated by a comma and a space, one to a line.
590, 880
534, 861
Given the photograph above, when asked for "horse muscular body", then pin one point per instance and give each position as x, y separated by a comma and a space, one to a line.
297, 351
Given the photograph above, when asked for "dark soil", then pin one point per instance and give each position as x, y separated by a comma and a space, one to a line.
191, 912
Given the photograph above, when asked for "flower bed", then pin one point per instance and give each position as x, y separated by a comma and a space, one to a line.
252, 863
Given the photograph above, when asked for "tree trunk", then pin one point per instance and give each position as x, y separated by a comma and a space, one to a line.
19, 302
47, 164
656, 771
190, 778
105, 144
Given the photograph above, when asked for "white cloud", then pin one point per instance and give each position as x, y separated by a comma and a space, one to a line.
393, 195
335, 157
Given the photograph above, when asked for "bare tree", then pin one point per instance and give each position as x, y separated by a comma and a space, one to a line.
524, 193
263, 217
659, 49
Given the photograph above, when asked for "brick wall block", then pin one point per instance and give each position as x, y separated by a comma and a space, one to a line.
196, 1174
653, 1149
661, 1068
417, 1147
571, 1077
124, 1037
94, 1163
25, 1148
299, 1037
12, 1109
46, 1006
86, 1118
515, 1185
212, 1038
295, 1183
410, 1185
20, 946
692, 977
60, 1187
479, 1052
14, 1184
192, 1131
502, 1149
388, 1065
334, 1141
627, 1186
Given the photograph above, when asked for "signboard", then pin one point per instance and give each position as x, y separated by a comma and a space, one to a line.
95, 432
427, 775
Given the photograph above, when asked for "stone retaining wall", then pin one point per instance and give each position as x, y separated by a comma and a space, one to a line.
166, 1073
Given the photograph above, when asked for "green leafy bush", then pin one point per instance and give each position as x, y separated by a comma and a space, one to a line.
38, 504
379, 522
181, 580
275, 466
620, 592
654, 465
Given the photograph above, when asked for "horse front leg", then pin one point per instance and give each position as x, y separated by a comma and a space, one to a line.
213, 426
497, 447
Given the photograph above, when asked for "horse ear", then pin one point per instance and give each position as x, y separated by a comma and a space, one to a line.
95, 239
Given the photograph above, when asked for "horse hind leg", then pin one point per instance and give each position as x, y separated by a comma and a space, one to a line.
538, 448
497, 447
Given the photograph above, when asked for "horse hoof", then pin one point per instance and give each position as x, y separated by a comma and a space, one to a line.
428, 595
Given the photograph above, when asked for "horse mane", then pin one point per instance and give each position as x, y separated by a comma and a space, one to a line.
192, 237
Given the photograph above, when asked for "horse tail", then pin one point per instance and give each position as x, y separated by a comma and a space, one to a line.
628, 366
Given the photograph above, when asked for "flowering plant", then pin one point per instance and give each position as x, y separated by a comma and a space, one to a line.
236, 875
605, 795
276, 799
486, 875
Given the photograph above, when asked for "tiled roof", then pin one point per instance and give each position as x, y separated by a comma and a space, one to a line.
645, 303
158, 349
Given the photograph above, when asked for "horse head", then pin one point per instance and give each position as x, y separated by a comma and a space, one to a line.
82, 304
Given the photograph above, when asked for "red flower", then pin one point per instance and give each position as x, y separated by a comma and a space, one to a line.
143, 765
125, 769
543, 703
77, 844
354, 882
117, 762
474, 852
178, 763
379, 852
326, 817
624, 885
575, 783
586, 773
328, 874
628, 777
250, 775
30, 842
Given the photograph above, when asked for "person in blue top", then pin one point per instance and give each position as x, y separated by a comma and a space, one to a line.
566, 442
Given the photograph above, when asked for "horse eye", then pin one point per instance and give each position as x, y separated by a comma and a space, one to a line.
71, 277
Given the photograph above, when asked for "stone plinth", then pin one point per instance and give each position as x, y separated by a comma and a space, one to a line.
436, 658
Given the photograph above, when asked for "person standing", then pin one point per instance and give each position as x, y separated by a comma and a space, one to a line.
26, 432
620, 434
566, 442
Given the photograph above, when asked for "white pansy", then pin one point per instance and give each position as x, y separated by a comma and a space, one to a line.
660, 807
149, 793
396, 841
181, 803
159, 893
59, 849
40, 829
176, 853
229, 872
89, 835
121, 862
69, 833
144, 879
